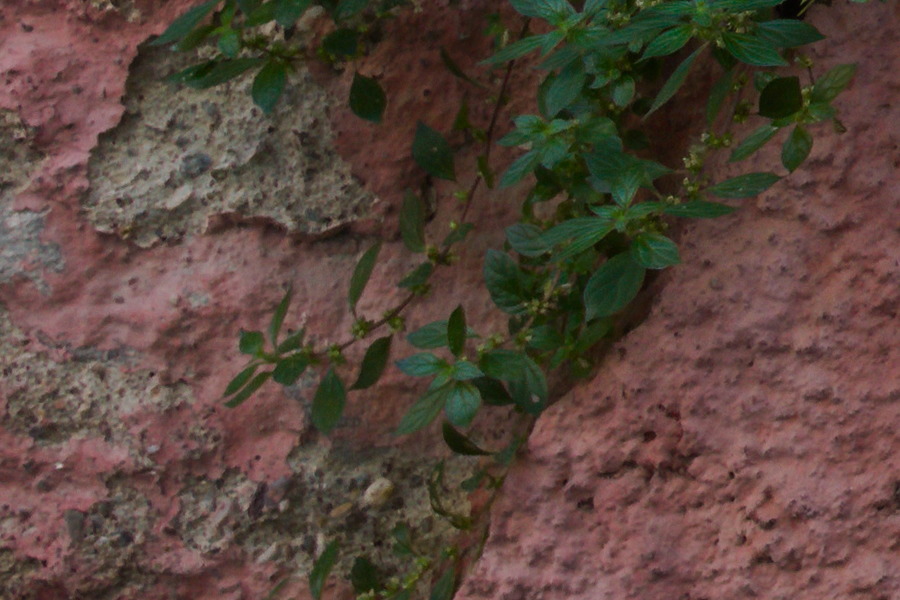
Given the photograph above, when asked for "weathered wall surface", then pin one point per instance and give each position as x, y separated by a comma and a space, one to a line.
743, 441
740, 443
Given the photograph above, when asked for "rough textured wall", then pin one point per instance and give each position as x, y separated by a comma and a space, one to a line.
743, 441
740, 443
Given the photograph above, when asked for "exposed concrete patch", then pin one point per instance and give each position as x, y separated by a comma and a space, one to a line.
22, 253
330, 497
180, 156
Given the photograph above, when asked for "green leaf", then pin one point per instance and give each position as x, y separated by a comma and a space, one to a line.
433, 335
251, 342
699, 209
412, 222
349, 8
328, 403
753, 142
291, 342
752, 50
443, 589
528, 386
321, 569
240, 379
516, 49
424, 410
463, 370
720, 90
364, 576
229, 44
796, 148
288, 370
674, 82
566, 87
255, 383
432, 152
462, 403
402, 539
342, 43
623, 92
744, 186
455, 70
525, 239
457, 235
367, 99
222, 71
419, 276
361, 274
788, 33
654, 251
542, 9
183, 25
504, 282
278, 317
668, 42
421, 364
261, 14
195, 38
373, 363
269, 84
520, 167
832, 83
459, 443
456, 331
612, 286
492, 391
288, 11
781, 98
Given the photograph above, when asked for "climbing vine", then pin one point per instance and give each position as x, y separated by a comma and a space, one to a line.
594, 217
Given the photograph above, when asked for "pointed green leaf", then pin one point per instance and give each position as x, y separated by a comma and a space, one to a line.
251, 342
492, 391
373, 363
263, 13
364, 576
433, 335
183, 25
456, 331
278, 317
612, 286
457, 235
623, 92
462, 404
367, 99
753, 142
240, 379
328, 403
432, 152
222, 71
229, 44
668, 42
455, 70
463, 370
361, 274
781, 98
291, 342
788, 33
744, 186
412, 222
288, 11
288, 370
525, 239
444, 588
832, 83
268, 85
720, 90
565, 88
674, 82
248, 390
321, 569
504, 282
796, 148
459, 443
752, 50
699, 209
424, 410
520, 167
342, 43
654, 251
421, 364
349, 8
516, 49
402, 540
419, 276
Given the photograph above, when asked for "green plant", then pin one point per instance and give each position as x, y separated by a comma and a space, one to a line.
594, 221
